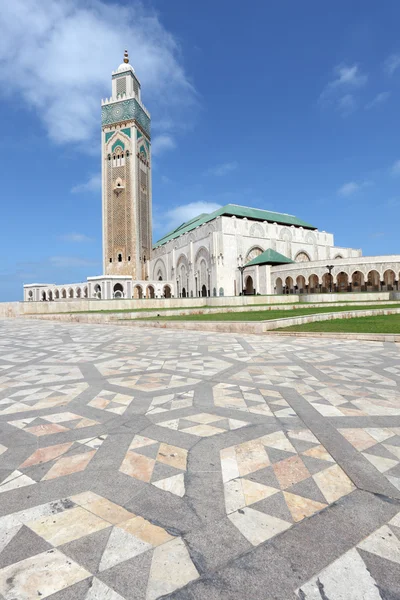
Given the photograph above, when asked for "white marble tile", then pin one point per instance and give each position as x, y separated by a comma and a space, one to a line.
384, 543
171, 569
256, 526
121, 546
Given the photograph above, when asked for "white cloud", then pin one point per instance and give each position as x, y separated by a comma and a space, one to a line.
339, 91
392, 63
352, 187
75, 237
71, 261
93, 184
180, 214
223, 169
161, 143
379, 99
395, 169
57, 57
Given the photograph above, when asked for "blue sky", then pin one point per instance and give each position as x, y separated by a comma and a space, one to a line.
289, 106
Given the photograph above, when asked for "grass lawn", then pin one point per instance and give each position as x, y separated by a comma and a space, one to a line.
377, 324
264, 315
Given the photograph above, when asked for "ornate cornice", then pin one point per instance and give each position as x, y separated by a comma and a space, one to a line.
125, 110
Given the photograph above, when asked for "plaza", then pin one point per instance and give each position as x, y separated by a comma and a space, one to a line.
146, 464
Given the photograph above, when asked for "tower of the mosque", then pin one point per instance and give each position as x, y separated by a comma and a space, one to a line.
126, 177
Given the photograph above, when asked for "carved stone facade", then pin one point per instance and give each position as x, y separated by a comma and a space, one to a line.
126, 178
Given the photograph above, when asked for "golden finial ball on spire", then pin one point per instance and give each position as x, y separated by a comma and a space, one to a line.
126, 58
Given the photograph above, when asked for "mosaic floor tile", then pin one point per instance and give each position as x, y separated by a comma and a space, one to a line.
152, 382
63, 523
170, 402
55, 423
203, 424
242, 463
276, 375
40, 398
111, 402
349, 576
249, 399
164, 470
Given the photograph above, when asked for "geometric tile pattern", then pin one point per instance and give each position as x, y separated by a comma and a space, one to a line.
39, 398
94, 414
169, 402
279, 479
380, 446
158, 463
54, 423
152, 382
249, 399
350, 575
58, 460
63, 526
111, 402
344, 400
203, 424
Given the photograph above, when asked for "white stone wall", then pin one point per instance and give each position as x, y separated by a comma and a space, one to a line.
227, 243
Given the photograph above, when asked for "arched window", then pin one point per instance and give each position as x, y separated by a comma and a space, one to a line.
118, 290
302, 257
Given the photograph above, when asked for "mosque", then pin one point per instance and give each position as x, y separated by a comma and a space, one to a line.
231, 251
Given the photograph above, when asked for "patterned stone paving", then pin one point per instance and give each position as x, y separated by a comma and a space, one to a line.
144, 464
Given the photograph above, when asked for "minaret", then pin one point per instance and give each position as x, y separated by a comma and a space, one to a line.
126, 177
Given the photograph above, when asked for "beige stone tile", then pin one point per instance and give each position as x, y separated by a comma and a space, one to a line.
305, 435
333, 483
204, 418
69, 464
101, 591
174, 485
395, 450
251, 456
63, 527
61, 417
46, 429
253, 491
229, 466
234, 496
379, 434
40, 576
290, 471
146, 531
172, 456
257, 527
319, 452
107, 510
121, 546
360, 439
139, 441
138, 466
381, 463
203, 430
15, 481
43, 455
279, 441
301, 507
171, 569
85, 423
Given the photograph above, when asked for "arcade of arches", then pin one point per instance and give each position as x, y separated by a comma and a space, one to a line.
355, 281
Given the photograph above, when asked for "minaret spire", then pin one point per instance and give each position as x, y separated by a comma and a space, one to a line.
126, 58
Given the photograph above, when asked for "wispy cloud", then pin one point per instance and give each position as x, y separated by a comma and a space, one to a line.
75, 238
346, 105
93, 184
222, 169
393, 202
64, 52
395, 168
162, 143
339, 92
352, 187
378, 100
377, 234
180, 214
391, 64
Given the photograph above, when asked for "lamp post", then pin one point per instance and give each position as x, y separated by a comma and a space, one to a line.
330, 267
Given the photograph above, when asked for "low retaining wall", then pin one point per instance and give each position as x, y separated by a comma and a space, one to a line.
16, 309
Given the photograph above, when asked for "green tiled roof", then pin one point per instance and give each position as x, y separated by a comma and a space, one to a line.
253, 214
269, 257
